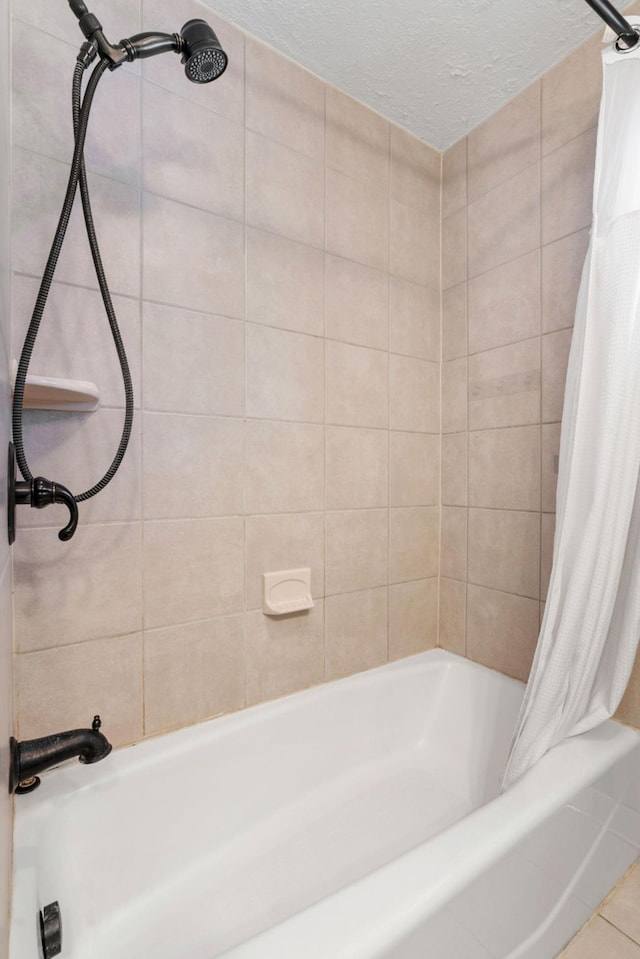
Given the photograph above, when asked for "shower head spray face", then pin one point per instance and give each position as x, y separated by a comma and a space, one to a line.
202, 55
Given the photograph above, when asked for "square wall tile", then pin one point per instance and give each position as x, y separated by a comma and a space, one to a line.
283, 653
454, 249
454, 322
414, 320
52, 583
452, 616
192, 672
504, 386
75, 341
453, 546
454, 395
413, 617
77, 451
184, 166
41, 115
414, 243
38, 183
357, 220
357, 468
285, 191
206, 357
284, 101
284, 467
285, 541
414, 469
550, 463
356, 550
504, 223
356, 385
504, 550
357, 140
562, 264
505, 144
504, 304
414, 395
454, 469
415, 172
357, 303
285, 283
192, 569
502, 630
64, 688
567, 187
454, 178
124, 19
571, 95
201, 454
504, 468
555, 358
355, 632
414, 544
285, 375
547, 533
207, 258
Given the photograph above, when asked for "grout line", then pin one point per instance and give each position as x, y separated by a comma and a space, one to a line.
245, 338
540, 356
141, 381
440, 496
468, 497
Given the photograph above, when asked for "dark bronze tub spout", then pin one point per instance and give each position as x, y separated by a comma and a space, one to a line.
33, 756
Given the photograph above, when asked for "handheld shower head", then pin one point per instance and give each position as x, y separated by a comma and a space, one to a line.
202, 55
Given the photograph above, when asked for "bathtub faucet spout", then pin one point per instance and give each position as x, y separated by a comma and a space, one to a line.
33, 756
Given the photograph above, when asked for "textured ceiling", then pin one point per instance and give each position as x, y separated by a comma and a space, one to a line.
437, 68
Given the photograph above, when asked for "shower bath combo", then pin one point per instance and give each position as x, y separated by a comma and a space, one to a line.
204, 60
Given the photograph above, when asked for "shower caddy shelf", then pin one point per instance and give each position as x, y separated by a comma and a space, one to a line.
55, 393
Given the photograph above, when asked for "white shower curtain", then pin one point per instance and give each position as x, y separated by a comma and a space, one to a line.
591, 625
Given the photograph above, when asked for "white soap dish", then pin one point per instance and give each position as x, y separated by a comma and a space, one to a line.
54, 393
286, 591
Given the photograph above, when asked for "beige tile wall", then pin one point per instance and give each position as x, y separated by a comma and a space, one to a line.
274, 252
516, 214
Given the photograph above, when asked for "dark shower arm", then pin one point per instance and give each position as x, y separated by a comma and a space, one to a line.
139, 47
621, 27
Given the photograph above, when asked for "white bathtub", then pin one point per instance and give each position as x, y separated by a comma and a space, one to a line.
356, 820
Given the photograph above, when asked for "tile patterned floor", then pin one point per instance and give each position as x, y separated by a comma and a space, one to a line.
613, 932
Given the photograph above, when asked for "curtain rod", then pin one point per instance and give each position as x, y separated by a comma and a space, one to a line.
621, 27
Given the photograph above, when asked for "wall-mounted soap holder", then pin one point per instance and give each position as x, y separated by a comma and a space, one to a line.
55, 393
286, 591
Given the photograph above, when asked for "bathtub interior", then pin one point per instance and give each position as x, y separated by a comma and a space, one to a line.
201, 840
